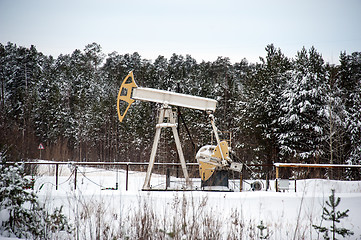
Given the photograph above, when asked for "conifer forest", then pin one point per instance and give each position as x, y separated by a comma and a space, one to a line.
280, 109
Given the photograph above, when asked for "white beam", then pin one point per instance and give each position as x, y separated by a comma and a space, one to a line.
174, 99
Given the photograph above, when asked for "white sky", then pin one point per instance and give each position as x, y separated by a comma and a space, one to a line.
204, 29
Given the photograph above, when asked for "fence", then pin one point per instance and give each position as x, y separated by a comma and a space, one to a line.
167, 170
341, 174
250, 171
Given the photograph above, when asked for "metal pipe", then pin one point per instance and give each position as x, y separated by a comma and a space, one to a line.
295, 165
100, 163
215, 130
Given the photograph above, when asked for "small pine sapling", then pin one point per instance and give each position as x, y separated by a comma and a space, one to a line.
261, 228
333, 216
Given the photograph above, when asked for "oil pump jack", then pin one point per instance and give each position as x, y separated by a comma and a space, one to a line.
214, 161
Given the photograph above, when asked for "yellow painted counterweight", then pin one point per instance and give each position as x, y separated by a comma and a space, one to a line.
208, 164
125, 93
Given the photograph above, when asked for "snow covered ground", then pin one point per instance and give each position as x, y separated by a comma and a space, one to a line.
286, 215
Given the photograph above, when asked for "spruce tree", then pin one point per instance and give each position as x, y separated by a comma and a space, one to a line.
335, 217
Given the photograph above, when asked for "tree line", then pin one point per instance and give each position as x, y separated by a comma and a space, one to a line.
280, 109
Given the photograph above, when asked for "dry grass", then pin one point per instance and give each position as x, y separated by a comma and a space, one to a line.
183, 217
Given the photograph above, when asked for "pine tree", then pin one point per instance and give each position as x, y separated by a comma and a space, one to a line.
263, 106
350, 84
335, 115
335, 217
21, 214
303, 101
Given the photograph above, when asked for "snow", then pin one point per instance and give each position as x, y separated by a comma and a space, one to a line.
4, 215
7, 238
285, 214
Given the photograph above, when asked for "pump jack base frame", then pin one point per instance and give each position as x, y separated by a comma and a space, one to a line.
165, 112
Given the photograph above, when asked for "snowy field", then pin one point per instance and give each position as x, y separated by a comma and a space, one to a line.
125, 214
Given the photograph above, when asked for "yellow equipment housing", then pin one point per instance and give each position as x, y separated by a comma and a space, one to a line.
210, 158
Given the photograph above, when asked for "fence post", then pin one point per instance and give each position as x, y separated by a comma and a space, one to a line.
126, 178
277, 175
241, 180
167, 185
56, 176
75, 173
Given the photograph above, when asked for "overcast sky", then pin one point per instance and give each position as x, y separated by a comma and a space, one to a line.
204, 29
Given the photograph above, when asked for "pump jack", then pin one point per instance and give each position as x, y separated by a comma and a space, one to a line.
213, 160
